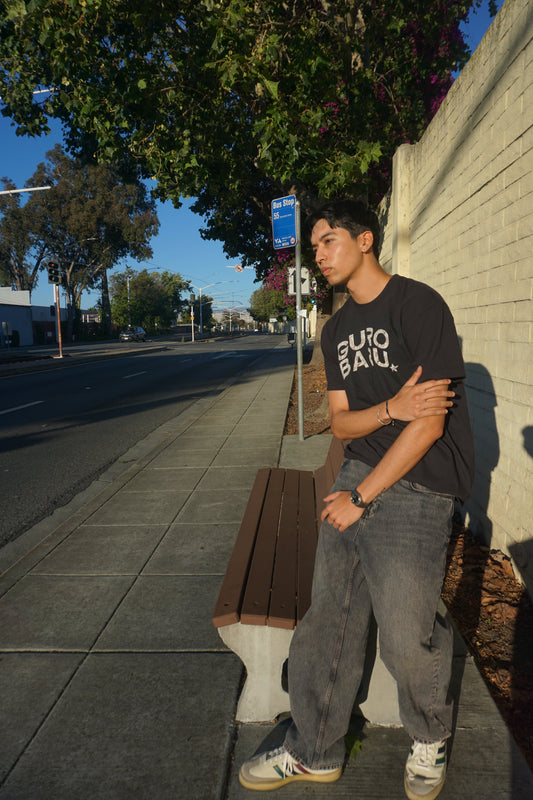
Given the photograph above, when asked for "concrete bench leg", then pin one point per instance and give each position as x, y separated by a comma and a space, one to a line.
263, 651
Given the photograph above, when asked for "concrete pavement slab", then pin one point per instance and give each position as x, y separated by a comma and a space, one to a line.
188, 549
135, 727
198, 439
140, 508
103, 550
263, 423
30, 684
166, 479
236, 477
254, 455
164, 613
220, 505
176, 456
312, 451
59, 612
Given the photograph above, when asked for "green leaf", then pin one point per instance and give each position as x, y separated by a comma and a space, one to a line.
353, 745
271, 87
15, 9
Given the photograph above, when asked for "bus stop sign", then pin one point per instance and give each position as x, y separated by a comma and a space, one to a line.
284, 222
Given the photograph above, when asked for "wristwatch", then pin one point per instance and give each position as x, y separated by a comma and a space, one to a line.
357, 500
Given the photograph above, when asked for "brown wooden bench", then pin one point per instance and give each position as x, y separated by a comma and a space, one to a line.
267, 586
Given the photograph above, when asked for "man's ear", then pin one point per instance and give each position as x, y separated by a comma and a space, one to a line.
366, 240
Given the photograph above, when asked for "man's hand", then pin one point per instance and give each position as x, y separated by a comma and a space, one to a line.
340, 511
417, 400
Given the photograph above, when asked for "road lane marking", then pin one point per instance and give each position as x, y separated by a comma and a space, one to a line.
133, 375
19, 408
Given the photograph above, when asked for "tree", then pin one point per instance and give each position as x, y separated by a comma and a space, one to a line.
21, 250
235, 102
95, 219
266, 303
202, 310
88, 221
145, 298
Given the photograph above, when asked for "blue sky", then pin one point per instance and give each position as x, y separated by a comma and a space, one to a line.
178, 246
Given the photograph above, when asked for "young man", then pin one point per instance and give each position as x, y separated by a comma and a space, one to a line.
386, 525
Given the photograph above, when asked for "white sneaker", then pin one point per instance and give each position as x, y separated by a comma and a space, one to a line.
277, 767
425, 770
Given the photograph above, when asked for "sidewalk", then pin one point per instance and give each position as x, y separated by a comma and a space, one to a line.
114, 683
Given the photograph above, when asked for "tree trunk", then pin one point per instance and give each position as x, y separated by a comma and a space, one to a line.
71, 310
106, 306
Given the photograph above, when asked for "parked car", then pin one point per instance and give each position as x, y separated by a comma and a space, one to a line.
133, 334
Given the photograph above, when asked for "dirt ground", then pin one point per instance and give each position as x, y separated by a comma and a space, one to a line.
488, 604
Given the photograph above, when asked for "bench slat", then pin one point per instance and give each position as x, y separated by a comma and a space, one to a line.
282, 611
227, 609
254, 610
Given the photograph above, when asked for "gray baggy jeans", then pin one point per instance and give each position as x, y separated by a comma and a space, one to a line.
390, 563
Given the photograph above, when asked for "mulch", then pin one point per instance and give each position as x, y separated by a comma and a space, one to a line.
489, 605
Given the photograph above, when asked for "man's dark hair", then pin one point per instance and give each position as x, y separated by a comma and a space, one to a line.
353, 215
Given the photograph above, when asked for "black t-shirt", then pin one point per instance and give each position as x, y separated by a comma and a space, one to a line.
370, 351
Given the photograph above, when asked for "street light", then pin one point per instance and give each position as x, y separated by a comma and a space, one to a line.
200, 289
230, 311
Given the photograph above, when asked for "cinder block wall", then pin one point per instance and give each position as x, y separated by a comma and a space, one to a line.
460, 217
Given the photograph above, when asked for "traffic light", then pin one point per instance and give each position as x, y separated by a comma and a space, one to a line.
54, 272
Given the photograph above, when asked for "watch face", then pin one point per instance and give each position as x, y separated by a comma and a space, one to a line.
357, 500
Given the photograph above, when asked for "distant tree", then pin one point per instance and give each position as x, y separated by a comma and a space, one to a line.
89, 221
153, 300
203, 317
268, 303
22, 251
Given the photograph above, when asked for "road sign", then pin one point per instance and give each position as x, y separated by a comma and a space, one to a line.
304, 281
284, 222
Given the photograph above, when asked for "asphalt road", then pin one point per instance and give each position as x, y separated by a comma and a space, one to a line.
61, 428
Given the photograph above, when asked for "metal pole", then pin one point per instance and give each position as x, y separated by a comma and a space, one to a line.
201, 320
299, 347
192, 323
58, 310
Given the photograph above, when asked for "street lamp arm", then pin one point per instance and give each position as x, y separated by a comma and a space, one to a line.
19, 191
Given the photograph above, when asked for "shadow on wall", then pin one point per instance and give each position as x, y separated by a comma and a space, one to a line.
481, 404
527, 434
522, 552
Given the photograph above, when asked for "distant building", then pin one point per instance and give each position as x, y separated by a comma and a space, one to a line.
26, 325
15, 316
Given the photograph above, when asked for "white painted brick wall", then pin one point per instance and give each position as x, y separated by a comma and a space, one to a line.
467, 196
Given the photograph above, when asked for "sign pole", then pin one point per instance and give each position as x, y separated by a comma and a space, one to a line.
286, 233
299, 338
